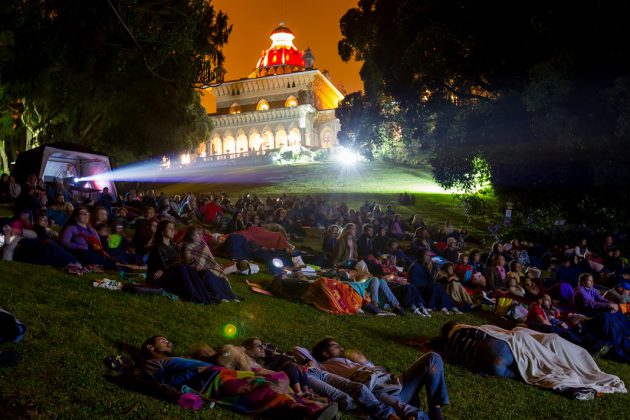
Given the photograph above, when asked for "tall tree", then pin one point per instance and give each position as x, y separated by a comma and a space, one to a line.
115, 75
538, 90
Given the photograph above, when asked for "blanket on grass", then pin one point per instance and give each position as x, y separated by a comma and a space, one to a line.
549, 361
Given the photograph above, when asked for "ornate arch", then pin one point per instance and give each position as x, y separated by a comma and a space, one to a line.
229, 144
262, 105
326, 137
294, 137
291, 102
281, 137
235, 108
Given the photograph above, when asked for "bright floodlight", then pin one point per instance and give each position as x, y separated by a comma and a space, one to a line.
347, 156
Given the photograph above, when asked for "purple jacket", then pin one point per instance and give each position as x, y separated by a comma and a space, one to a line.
588, 299
75, 237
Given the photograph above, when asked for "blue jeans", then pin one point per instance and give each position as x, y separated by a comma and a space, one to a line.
350, 395
497, 359
427, 371
381, 293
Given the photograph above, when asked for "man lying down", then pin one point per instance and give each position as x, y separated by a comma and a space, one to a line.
544, 360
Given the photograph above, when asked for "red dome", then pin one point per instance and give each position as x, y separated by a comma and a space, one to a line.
282, 56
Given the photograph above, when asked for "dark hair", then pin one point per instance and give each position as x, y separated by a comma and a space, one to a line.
447, 328
421, 254
72, 219
365, 227
189, 233
513, 264
145, 353
583, 277
320, 347
159, 234
249, 343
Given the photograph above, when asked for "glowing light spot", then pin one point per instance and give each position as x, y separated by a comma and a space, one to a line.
230, 330
347, 156
277, 262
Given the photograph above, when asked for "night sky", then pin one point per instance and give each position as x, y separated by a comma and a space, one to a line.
315, 25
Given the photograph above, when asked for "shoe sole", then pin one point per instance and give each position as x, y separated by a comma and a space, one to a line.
329, 413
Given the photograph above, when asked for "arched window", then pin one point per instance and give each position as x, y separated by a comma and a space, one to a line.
262, 105
291, 101
235, 108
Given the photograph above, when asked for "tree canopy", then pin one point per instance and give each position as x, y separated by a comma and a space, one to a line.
537, 90
114, 75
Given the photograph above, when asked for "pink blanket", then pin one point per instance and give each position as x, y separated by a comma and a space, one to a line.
265, 238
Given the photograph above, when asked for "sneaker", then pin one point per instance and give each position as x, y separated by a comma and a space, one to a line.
445, 311
419, 313
385, 313
426, 312
584, 394
399, 311
456, 311
327, 413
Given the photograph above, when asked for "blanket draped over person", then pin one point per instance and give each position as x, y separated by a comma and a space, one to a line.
334, 297
548, 361
265, 238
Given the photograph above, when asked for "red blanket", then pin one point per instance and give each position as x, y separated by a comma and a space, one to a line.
265, 238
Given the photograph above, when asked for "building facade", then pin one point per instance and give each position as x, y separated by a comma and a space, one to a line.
284, 103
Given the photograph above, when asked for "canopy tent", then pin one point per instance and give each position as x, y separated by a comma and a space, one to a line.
56, 161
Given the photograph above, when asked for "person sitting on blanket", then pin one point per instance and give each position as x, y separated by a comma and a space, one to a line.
171, 377
399, 392
345, 253
544, 360
433, 294
447, 277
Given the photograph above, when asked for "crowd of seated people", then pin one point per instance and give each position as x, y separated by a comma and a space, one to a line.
389, 263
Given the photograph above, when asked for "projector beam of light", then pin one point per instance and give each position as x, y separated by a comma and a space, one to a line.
167, 172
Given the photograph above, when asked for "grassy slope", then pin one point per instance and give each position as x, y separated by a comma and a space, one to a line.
73, 326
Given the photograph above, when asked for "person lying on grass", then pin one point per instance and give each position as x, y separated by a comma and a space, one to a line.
399, 392
353, 397
543, 360
264, 362
170, 376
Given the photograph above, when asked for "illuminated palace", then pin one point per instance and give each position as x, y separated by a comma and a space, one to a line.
284, 103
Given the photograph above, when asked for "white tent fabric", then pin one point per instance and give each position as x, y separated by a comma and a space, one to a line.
55, 162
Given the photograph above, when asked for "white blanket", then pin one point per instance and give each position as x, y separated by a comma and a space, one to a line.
549, 361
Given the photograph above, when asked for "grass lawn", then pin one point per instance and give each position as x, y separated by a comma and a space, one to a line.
73, 326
